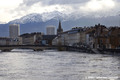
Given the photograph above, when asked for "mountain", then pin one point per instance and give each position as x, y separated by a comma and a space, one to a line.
32, 23
4, 30
28, 19
38, 22
35, 17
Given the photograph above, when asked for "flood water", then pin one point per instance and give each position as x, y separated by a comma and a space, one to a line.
55, 65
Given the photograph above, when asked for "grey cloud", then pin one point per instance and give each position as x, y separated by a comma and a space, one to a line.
67, 1
116, 0
73, 4
53, 2
29, 2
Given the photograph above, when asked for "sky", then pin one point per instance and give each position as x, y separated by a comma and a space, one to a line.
14, 9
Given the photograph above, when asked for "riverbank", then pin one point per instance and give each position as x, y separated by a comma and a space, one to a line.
90, 50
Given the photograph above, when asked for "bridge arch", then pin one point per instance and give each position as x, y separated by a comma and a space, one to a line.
8, 48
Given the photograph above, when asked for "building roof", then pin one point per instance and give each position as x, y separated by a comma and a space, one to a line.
4, 38
48, 37
30, 34
73, 30
114, 31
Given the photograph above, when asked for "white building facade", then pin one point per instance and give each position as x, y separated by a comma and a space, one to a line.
50, 30
68, 38
4, 41
14, 31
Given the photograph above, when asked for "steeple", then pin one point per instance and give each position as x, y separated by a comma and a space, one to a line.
59, 30
59, 24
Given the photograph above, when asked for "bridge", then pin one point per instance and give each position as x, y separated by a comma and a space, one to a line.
7, 48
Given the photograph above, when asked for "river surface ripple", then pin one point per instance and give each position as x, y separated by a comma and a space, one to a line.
55, 65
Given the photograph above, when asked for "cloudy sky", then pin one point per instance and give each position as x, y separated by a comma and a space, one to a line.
14, 9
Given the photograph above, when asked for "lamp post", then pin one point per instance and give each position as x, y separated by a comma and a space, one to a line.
119, 20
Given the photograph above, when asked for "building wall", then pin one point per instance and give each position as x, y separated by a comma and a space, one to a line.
55, 41
87, 39
103, 42
12, 42
3, 42
94, 37
20, 41
90, 41
68, 38
82, 37
62, 39
8, 41
114, 42
28, 40
31, 39
119, 40
14, 31
108, 39
73, 38
50, 30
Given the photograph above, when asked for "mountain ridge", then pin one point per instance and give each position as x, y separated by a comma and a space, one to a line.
38, 22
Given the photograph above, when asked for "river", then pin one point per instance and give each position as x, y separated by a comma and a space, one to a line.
55, 65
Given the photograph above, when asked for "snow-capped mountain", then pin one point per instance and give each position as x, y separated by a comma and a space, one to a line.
53, 15
35, 17
2, 22
38, 22
27, 19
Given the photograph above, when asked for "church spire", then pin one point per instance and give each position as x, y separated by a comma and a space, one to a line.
59, 24
59, 30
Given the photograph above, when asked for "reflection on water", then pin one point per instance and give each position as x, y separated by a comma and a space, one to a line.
54, 65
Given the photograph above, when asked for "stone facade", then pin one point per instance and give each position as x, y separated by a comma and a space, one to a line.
31, 39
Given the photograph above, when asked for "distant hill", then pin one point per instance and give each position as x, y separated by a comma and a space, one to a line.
38, 22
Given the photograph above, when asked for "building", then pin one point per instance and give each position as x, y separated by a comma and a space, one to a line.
59, 30
114, 37
82, 36
98, 36
62, 39
101, 36
36, 39
70, 37
89, 34
14, 31
20, 40
90, 38
47, 39
55, 41
9, 41
74, 36
50, 30
4, 41
31, 39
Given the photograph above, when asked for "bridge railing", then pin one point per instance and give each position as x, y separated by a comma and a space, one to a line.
26, 46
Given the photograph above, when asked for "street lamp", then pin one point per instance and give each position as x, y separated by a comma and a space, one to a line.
119, 20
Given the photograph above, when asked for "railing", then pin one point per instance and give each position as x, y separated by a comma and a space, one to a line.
38, 47
26, 46
110, 50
